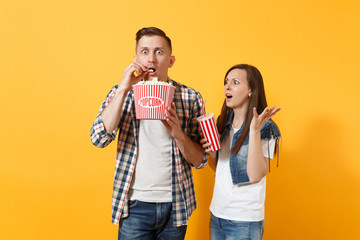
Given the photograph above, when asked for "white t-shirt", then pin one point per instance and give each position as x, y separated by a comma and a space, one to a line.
240, 202
151, 181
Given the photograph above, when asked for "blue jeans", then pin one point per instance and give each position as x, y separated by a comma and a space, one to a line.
221, 229
150, 221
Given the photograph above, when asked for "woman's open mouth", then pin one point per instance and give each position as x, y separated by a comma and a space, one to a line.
228, 96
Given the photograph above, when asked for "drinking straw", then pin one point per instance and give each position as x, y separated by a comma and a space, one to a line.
203, 108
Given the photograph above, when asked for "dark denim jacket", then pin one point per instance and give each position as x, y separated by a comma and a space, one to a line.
238, 162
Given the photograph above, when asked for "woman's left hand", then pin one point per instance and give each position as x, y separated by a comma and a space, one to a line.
258, 120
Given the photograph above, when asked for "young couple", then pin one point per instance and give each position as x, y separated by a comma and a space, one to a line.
153, 193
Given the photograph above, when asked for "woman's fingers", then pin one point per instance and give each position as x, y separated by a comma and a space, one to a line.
269, 112
273, 113
266, 114
262, 116
208, 150
255, 112
205, 145
203, 140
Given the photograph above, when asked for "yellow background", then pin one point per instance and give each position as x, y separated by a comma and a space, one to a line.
58, 60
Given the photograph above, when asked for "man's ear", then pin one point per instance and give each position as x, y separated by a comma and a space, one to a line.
172, 61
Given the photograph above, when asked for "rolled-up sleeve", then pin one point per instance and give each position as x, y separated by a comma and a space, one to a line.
195, 128
99, 136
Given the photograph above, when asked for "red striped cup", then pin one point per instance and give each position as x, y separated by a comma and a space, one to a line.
209, 129
151, 101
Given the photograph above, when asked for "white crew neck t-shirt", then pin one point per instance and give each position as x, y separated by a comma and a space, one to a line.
152, 177
239, 202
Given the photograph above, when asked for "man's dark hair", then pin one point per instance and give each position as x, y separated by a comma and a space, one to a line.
152, 31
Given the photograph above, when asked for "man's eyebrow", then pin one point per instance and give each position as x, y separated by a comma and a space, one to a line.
156, 48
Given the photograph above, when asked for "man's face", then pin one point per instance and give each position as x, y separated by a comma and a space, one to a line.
154, 53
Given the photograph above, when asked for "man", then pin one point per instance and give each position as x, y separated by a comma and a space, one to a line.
153, 195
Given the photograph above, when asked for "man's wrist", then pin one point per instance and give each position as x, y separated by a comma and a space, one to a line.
122, 89
181, 138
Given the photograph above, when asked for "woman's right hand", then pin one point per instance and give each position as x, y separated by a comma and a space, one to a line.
207, 146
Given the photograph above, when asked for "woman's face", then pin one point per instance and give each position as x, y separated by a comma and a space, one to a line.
236, 88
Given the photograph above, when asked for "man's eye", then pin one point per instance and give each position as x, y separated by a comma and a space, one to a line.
144, 51
159, 52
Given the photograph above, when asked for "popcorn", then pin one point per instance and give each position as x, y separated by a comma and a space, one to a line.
154, 81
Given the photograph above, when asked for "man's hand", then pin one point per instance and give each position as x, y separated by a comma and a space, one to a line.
191, 151
112, 113
129, 78
172, 122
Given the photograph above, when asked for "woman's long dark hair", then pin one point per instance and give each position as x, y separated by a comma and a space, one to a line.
257, 99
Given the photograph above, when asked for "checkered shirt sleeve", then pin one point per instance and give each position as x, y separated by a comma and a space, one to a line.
99, 136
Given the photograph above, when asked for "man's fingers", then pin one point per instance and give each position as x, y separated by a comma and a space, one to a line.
170, 122
172, 109
171, 113
166, 124
170, 117
143, 74
137, 68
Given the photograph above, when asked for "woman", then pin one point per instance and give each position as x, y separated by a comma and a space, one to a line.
249, 139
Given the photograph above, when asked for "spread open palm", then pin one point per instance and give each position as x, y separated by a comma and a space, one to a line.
258, 120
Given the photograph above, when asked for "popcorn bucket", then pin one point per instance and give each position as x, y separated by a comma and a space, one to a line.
209, 129
151, 101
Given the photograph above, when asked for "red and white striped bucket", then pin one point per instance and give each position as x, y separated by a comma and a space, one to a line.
209, 129
151, 101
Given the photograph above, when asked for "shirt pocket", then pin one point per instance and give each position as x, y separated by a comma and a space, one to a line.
243, 152
241, 158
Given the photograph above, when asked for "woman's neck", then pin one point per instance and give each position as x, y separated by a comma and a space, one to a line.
239, 117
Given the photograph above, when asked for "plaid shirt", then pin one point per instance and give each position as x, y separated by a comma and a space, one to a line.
188, 104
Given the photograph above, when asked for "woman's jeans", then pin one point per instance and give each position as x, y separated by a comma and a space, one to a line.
221, 229
150, 221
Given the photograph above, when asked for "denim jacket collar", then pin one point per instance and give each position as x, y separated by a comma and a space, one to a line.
268, 130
